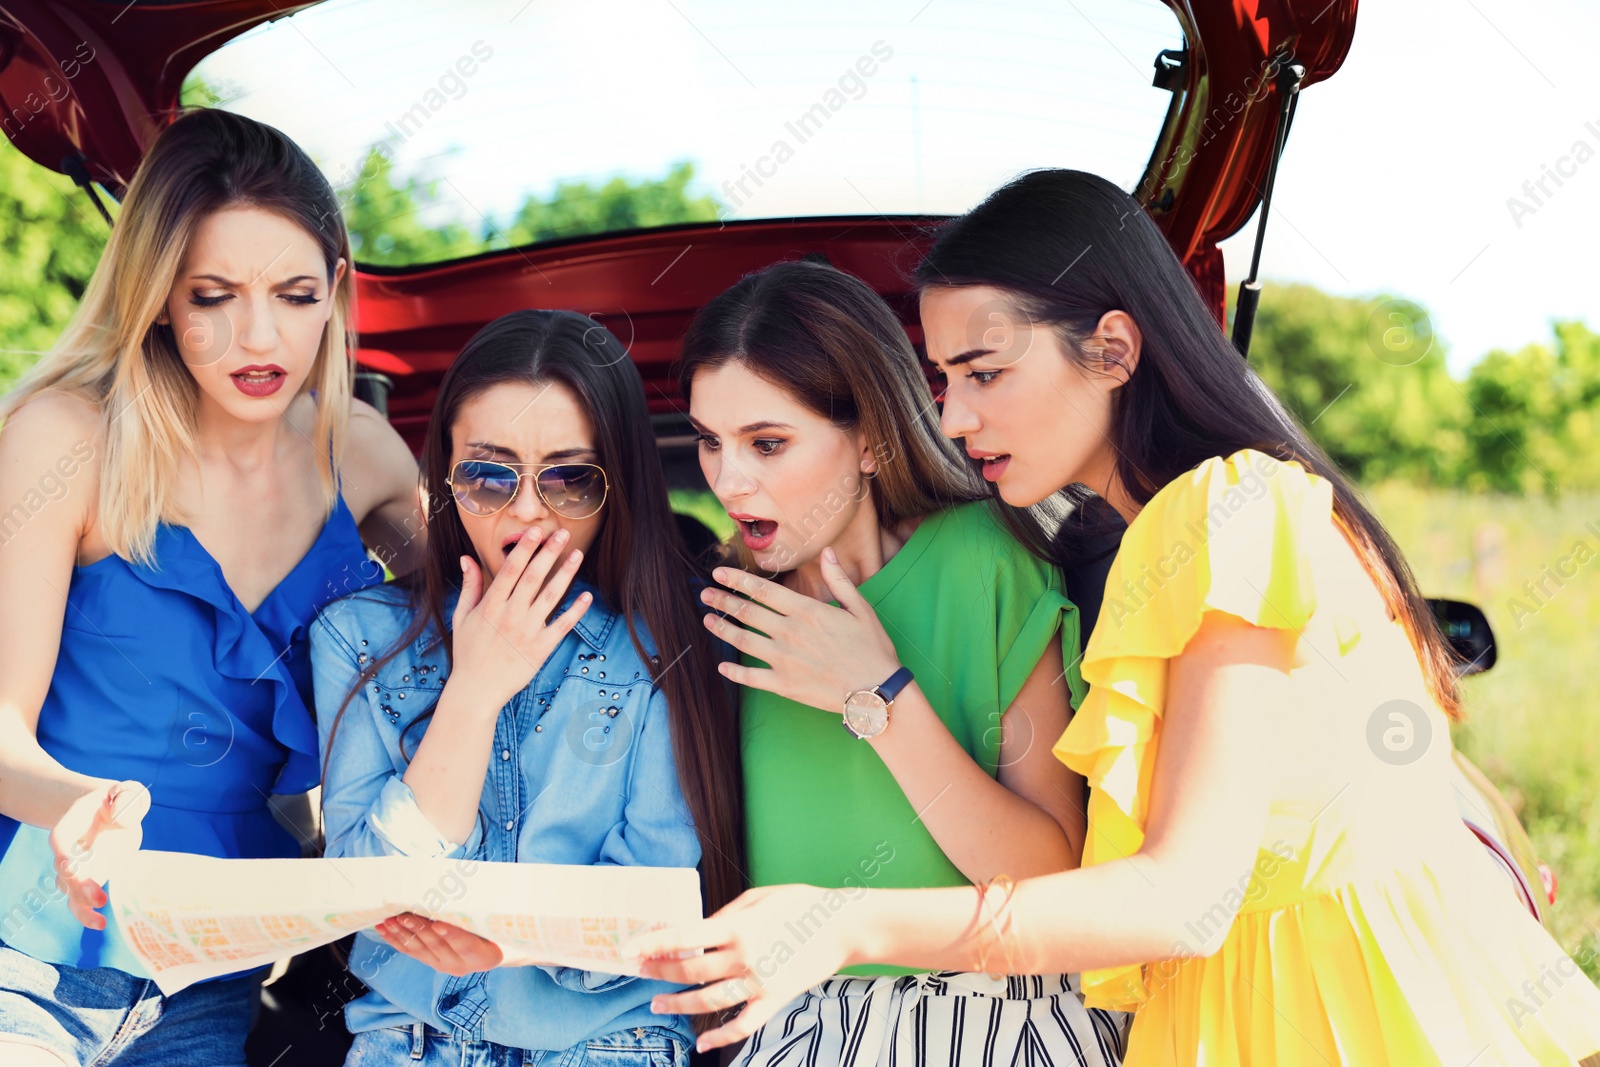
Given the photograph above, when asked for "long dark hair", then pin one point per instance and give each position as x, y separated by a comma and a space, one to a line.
638, 561
828, 340
1069, 247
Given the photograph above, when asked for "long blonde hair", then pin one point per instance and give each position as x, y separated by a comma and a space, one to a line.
114, 353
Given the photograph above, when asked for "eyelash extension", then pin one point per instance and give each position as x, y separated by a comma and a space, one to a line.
983, 377
775, 442
302, 299
709, 441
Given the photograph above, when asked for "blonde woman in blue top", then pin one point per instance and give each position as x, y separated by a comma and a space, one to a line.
193, 480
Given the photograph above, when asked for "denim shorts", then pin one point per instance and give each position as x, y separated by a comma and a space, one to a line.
104, 1017
419, 1045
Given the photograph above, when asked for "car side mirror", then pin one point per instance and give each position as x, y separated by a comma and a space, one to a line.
1467, 629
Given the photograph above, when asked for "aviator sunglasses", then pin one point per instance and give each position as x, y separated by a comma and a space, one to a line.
571, 490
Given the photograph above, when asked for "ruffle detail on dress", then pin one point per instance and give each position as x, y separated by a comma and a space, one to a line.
245, 650
1230, 535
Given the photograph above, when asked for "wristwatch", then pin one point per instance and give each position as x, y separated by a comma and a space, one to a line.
866, 711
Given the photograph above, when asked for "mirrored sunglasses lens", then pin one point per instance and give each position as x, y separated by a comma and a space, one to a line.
575, 491
483, 488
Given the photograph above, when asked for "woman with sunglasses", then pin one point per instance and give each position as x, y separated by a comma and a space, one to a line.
192, 480
1276, 871
543, 692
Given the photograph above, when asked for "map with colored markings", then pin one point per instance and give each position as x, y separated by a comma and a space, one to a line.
189, 918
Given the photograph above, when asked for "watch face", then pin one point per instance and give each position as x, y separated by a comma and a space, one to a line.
865, 713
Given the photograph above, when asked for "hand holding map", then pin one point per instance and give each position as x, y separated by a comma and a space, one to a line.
189, 918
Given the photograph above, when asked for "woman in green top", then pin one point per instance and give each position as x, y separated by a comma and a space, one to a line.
902, 667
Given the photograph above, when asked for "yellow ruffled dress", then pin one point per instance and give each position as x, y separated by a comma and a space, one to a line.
1373, 929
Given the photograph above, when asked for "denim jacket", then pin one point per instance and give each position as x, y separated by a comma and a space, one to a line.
581, 772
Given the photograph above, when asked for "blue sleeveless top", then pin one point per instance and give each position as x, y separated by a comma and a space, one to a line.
163, 677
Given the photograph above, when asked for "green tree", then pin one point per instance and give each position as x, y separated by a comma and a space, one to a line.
50, 239
207, 92
1379, 411
1536, 424
388, 218
579, 207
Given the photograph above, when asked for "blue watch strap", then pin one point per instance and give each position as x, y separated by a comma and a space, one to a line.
897, 681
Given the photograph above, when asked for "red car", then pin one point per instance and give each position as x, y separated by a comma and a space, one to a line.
86, 84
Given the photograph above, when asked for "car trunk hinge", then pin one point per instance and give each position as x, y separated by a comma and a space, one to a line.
1289, 78
77, 168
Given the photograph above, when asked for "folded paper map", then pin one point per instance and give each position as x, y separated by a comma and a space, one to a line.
189, 918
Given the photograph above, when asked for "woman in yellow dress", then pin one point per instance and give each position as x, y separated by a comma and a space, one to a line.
1276, 872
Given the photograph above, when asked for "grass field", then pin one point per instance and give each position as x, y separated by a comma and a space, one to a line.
1533, 722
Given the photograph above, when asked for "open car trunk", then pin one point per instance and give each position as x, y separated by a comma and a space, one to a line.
85, 85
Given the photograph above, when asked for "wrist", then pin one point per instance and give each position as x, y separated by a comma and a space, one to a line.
867, 712
862, 934
877, 673
462, 697
84, 785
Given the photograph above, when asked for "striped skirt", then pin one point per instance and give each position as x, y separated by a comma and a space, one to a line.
948, 1018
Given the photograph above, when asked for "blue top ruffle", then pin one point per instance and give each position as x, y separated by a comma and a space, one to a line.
163, 677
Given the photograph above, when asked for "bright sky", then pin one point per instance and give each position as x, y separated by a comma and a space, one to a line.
1398, 172
951, 97
1396, 177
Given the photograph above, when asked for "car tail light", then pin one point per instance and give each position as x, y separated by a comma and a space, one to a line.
1548, 877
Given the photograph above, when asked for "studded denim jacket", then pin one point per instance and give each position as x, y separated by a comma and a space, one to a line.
581, 772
